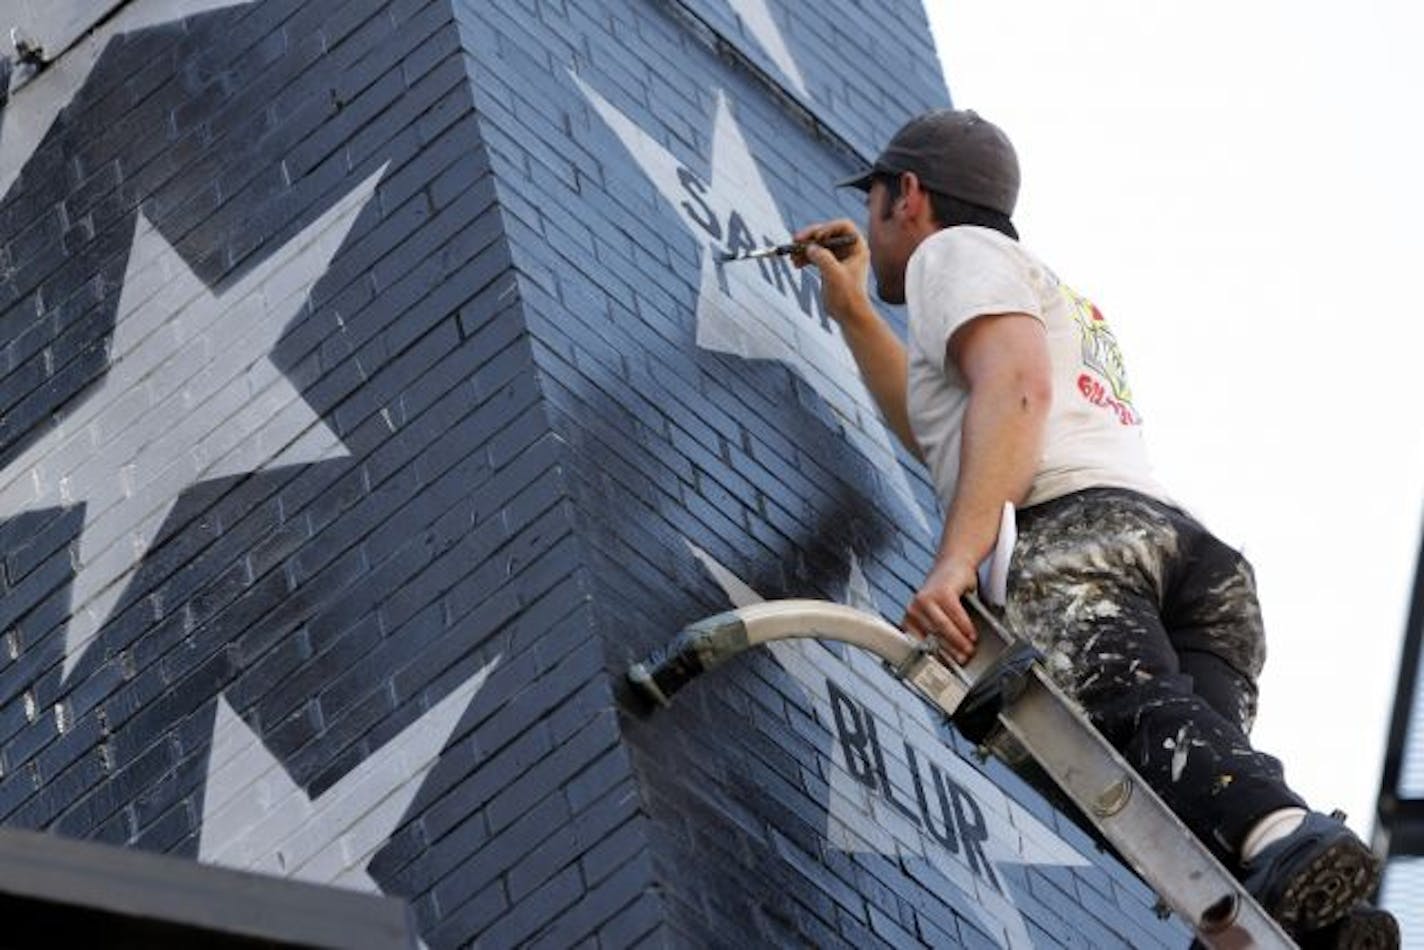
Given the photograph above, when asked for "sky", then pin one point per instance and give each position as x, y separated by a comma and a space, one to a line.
1237, 187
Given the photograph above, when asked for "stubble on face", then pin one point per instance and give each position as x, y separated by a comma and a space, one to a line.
885, 261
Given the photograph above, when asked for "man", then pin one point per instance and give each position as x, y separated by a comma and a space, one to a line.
1012, 388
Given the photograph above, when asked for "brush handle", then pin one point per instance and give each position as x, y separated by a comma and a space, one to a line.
840, 240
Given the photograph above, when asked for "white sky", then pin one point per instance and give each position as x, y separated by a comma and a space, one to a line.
1236, 185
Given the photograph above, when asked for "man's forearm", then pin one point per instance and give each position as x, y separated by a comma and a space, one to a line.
1001, 445
884, 367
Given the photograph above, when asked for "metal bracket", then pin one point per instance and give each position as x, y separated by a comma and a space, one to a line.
977, 715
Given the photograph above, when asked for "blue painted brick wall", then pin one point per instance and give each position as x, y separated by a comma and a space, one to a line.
368, 663
370, 398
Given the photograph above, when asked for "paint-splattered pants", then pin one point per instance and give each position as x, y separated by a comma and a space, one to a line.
1153, 625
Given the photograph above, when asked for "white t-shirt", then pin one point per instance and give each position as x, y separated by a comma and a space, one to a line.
1093, 436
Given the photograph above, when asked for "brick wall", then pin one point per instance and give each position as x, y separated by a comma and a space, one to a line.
372, 396
305, 598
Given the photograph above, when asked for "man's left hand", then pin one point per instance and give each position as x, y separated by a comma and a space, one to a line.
936, 611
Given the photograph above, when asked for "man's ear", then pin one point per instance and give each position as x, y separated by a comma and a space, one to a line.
912, 194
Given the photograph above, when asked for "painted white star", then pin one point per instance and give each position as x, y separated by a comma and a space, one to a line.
190, 395
755, 309
757, 18
860, 820
255, 818
34, 106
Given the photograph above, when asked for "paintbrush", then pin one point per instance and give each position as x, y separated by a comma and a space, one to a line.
840, 240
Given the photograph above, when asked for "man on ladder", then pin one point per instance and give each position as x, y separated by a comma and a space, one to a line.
1012, 388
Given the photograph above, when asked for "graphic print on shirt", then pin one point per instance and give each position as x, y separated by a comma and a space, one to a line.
1104, 382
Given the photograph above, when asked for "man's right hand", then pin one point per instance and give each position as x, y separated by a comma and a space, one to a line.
843, 270
878, 352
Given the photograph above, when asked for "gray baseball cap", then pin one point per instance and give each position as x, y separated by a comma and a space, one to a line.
954, 152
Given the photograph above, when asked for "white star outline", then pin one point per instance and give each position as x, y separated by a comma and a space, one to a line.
756, 17
255, 818
858, 819
190, 395
744, 309
33, 107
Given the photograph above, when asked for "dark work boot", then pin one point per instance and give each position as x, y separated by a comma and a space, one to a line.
1312, 878
1363, 928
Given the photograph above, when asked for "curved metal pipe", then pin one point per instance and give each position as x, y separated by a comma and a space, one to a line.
710, 642
714, 640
